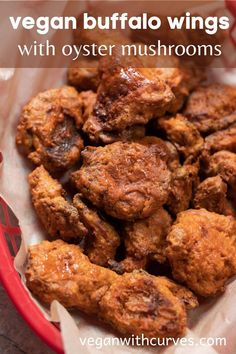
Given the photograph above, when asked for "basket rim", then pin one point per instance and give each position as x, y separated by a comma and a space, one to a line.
10, 279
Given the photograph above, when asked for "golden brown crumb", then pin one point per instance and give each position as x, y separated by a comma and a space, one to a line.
127, 180
48, 131
59, 218
202, 250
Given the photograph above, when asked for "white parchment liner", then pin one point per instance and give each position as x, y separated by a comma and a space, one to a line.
217, 318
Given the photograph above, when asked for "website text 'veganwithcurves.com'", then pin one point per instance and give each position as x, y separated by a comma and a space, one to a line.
100, 342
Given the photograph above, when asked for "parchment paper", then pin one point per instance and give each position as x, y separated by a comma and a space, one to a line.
216, 318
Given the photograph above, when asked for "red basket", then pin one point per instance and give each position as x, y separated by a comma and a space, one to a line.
10, 238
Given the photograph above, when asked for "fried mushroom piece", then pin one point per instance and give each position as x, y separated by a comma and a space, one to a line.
183, 134
186, 296
223, 163
211, 195
84, 75
127, 180
202, 250
59, 218
48, 131
184, 180
222, 140
133, 133
60, 271
128, 95
182, 79
88, 100
173, 161
145, 240
135, 303
212, 108
102, 240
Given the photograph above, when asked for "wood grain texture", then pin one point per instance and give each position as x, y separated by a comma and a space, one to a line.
15, 335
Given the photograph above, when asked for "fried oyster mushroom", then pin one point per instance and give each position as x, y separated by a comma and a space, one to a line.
60, 271
222, 140
182, 134
48, 131
183, 183
212, 108
102, 240
211, 194
145, 240
223, 163
59, 218
128, 95
182, 79
127, 180
135, 303
83, 74
88, 99
202, 250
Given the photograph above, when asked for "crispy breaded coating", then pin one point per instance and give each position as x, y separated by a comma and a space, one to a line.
184, 295
211, 195
182, 79
173, 161
83, 74
102, 240
127, 180
183, 134
202, 250
147, 237
59, 218
211, 108
133, 133
128, 95
60, 271
145, 240
222, 140
184, 180
128, 265
165, 150
88, 99
48, 131
223, 163
135, 303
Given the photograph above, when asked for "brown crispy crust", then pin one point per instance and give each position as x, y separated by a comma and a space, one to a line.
59, 218
202, 250
102, 240
211, 108
127, 180
135, 303
48, 130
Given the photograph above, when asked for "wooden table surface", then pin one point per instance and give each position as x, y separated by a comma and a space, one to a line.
15, 336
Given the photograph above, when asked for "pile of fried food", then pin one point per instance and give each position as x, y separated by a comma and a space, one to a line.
144, 227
